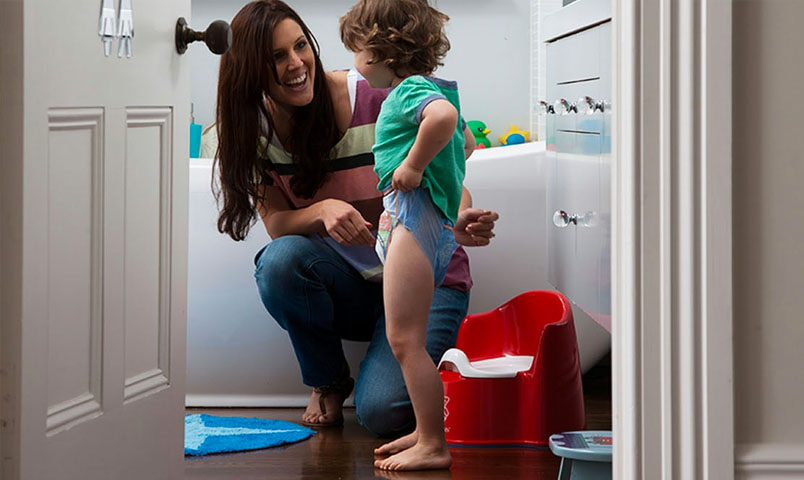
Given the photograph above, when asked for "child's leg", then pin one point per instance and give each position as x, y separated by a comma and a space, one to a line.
408, 292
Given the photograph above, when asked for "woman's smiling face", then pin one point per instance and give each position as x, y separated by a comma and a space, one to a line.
295, 65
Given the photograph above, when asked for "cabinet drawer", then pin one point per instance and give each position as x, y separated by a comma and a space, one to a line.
574, 58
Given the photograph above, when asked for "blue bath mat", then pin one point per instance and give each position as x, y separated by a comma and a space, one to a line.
204, 434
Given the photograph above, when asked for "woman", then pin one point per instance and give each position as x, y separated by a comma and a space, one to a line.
295, 148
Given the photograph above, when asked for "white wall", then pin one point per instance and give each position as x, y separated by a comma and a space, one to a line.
490, 59
490, 56
768, 238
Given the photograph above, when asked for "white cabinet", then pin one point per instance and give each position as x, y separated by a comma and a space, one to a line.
579, 163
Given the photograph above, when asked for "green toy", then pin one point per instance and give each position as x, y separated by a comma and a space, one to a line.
480, 131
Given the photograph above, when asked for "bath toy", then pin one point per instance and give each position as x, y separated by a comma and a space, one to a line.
514, 136
480, 131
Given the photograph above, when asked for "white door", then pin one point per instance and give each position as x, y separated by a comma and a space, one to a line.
99, 331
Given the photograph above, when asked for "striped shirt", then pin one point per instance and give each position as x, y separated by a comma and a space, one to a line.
352, 179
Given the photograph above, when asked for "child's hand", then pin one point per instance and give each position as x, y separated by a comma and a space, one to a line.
475, 227
406, 178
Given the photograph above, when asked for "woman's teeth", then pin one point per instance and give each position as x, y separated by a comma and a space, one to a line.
297, 81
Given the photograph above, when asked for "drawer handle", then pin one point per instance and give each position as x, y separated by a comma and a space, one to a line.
562, 219
562, 106
546, 108
588, 105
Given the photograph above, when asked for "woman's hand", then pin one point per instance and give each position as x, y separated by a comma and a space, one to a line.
475, 227
406, 177
345, 224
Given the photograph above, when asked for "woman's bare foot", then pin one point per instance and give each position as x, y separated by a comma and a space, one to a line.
325, 408
332, 414
396, 446
417, 457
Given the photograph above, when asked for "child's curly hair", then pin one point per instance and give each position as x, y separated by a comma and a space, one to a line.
408, 34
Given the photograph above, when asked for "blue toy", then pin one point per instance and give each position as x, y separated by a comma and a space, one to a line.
514, 136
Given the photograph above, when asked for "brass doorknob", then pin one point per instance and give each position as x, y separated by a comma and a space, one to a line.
217, 36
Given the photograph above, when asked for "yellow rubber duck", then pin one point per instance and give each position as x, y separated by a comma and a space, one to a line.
514, 136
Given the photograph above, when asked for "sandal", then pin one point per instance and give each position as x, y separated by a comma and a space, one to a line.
341, 387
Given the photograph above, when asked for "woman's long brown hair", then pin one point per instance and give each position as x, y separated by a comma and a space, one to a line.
245, 74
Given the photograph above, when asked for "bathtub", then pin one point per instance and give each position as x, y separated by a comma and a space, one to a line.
237, 355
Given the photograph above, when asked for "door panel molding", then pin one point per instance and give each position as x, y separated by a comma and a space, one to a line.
75, 166
72, 412
672, 350
148, 352
144, 384
769, 461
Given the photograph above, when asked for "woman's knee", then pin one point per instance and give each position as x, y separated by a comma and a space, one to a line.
282, 258
384, 414
280, 255
277, 267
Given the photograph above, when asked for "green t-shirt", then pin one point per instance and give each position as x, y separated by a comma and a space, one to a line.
397, 126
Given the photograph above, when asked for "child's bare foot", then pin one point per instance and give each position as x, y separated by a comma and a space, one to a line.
396, 446
443, 474
417, 457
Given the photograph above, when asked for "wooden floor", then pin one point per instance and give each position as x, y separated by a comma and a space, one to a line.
346, 453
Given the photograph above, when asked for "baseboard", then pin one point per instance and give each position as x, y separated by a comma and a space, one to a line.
250, 401
760, 461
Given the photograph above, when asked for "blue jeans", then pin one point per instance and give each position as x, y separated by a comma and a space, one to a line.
319, 299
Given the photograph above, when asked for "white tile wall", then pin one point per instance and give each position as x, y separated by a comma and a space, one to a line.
539, 9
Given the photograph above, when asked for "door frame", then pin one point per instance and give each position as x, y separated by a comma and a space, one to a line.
674, 107
673, 398
11, 222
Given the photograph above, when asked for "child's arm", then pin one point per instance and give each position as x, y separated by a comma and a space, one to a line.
469, 141
439, 120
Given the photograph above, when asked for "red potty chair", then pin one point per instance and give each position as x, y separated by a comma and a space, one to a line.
514, 376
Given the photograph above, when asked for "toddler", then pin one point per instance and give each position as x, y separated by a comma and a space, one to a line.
421, 144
